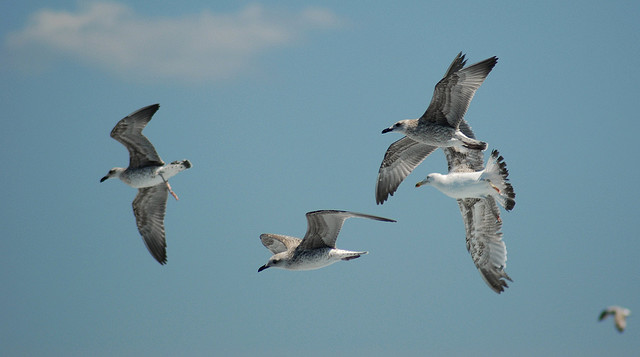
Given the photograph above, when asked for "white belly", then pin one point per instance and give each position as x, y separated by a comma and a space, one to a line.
465, 186
152, 175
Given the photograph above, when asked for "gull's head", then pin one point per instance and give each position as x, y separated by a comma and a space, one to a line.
426, 181
399, 127
275, 261
114, 172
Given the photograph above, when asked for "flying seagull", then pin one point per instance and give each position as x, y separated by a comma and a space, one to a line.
149, 174
481, 215
492, 181
619, 316
439, 126
318, 247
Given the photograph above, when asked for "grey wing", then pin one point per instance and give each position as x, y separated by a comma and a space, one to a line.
452, 95
484, 240
278, 243
128, 132
149, 208
324, 227
400, 159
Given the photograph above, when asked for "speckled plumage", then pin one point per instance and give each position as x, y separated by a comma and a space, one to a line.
318, 247
439, 126
149, 174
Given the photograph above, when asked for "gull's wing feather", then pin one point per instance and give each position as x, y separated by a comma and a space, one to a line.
128, 131
324, 227
400, 159
604, 314
278, 243
452, 95
484, 240
149, 208
621, 320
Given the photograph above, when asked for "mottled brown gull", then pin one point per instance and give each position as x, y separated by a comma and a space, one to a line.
318, 247
439, 126
149, 174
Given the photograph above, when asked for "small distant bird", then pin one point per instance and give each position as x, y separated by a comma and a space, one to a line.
149, 174
318, 247
492, 181
619, 316
438, 127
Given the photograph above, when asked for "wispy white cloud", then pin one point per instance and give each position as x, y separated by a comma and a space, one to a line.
199, 47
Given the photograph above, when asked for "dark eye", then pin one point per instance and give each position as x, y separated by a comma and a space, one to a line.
397, 125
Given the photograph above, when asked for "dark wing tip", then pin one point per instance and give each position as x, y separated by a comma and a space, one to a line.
492, 61
378, 218
159, 253
156, 106
499, 286
510, 204
266, 239
488, 64
603, 314
148, 111
153, 108
382, 196
456, 65
496, 280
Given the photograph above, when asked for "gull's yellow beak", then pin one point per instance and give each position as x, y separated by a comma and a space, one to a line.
425, 181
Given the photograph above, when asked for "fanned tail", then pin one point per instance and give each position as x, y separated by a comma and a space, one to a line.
496, 171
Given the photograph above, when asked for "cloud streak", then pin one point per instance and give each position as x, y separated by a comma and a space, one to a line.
206, 46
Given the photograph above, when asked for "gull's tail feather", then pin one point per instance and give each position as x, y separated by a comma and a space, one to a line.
469, 142
353, 255
474, 144
496, 172
183, 164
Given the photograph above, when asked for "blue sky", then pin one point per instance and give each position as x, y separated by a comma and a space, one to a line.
279, 106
